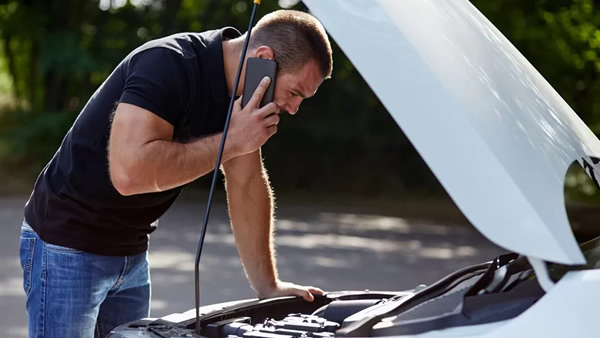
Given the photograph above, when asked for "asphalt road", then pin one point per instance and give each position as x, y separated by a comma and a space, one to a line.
338, 250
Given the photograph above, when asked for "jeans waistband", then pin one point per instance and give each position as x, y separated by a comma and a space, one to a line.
26, 227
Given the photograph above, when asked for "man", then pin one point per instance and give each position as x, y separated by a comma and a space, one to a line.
154, 125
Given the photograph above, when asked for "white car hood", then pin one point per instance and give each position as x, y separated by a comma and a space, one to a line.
495, 133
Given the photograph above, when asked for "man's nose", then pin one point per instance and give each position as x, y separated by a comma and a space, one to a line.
293, 106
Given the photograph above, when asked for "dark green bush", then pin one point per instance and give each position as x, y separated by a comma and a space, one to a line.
28, 140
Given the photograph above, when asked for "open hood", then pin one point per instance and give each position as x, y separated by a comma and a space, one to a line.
498, 137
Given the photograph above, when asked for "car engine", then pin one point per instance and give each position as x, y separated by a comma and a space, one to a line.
275, 319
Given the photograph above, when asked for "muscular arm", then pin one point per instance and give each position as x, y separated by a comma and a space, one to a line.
251, 210
143, 158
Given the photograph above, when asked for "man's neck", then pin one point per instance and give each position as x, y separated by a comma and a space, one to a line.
232, 50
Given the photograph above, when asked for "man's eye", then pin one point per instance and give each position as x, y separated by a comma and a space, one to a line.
293, 94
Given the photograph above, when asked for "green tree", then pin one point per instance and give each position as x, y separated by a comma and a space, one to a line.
54, 54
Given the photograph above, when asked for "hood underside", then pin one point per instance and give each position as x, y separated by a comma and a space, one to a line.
498, 137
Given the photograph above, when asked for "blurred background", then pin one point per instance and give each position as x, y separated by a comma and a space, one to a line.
352, 191
54, 54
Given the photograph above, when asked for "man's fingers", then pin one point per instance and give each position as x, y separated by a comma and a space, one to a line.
271, 120
270, 108
306, 295
315, 291
272, 130
238, 103
305, 292
259, 92
289, 289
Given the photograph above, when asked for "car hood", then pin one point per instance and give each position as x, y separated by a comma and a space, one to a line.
498, 137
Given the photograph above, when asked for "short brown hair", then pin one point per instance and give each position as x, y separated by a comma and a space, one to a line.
295, 37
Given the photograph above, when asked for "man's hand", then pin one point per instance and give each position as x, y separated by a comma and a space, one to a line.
290, 289
252, 126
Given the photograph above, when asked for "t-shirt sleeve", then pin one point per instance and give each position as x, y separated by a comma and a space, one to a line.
156, 80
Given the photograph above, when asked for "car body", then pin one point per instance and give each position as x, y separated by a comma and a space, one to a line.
500, 140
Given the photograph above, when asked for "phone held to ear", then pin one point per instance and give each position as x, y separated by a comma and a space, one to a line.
256, 70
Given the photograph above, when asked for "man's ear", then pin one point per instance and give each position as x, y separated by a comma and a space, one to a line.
265, 52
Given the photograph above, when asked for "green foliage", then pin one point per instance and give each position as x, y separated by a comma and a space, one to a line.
579, 186
29, 139
54, 54
562, 40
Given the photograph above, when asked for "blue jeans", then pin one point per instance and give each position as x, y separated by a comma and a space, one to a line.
71, 293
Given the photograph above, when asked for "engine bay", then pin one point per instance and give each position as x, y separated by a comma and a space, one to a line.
479, 294
273, 318
485, 293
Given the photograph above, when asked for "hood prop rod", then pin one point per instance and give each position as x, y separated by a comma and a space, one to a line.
216, 172
541, 273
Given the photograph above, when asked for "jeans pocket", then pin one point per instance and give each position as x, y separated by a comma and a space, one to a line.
61, 249
27, 248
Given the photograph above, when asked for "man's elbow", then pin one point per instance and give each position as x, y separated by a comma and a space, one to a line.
123, 181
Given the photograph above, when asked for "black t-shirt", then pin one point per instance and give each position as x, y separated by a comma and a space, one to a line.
180, 78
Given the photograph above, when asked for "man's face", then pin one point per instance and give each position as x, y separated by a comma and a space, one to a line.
293, 87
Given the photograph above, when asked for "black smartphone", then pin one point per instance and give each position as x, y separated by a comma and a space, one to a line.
256, 70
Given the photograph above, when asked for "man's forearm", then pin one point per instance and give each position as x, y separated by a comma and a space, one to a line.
251, 210
161, 165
